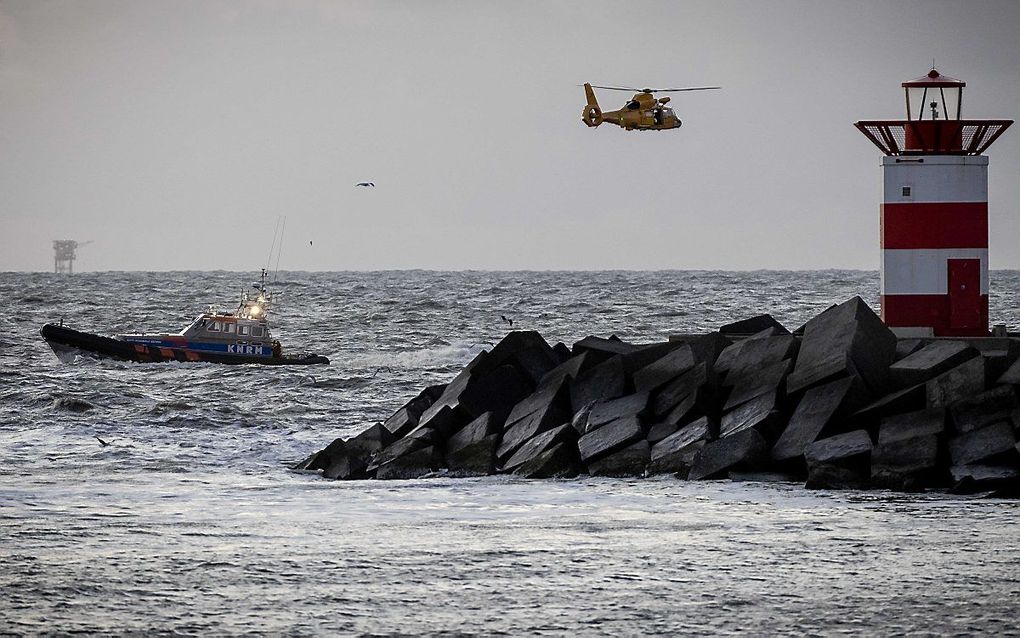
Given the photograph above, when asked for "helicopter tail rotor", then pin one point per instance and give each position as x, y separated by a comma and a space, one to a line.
591, 115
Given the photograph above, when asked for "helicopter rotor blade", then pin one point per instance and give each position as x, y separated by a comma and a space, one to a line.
690, 88
616, 88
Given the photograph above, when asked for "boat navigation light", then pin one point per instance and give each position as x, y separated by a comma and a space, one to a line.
256, 310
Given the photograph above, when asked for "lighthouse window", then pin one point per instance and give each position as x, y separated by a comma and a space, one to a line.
906, 191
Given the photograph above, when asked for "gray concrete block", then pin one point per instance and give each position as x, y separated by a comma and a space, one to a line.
675, 453
768, 378
569, 368
361, 449
416, 440
602, 412
985, 408
482, 427
609, 438
553, 391
895, 461
600, 349
899, 427
475, 458
756, 354
753, 325
451, 394
743, 450
659, 431
1012, 374
985, 474
690, 408
603, 381
538, 444
983, 444
900, 402
445, 422
669, 395
961, 382
630, 461
829, 476
760, 413
907, 347
560, 461
816, 412
526, 350
848, 339
839, 448
325, 457
839, 462
411, 465
929, 362
516, 433
406, 418
497, 390
664, 369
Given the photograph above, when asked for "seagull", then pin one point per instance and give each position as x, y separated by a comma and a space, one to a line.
508, 320
101, 441
365, 184
309, 242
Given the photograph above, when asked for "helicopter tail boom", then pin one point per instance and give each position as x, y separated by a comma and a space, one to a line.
592, 114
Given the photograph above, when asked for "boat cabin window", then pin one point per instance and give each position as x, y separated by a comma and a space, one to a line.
215, 326
256, 331
242, 330
229, 328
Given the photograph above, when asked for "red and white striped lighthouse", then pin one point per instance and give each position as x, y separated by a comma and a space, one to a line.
934, 213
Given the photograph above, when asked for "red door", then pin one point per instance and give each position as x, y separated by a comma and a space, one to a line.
965, 294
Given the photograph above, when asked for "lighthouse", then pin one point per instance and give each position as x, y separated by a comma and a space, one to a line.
934, 212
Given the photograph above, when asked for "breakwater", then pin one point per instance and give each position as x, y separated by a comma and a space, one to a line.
838, 403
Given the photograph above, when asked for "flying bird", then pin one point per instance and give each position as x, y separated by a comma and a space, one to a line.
366, 184
101, 441
309, 242
508, 320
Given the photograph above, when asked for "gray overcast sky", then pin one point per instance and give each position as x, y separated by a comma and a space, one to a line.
174, 134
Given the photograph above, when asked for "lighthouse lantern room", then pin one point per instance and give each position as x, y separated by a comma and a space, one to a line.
934, 212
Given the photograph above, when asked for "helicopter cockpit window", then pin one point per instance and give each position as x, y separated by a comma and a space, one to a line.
633, 105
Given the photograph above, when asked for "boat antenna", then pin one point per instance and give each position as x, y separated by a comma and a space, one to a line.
279, 249
272, 247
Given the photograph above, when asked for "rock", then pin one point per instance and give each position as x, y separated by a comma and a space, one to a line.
929, 362
608, 438
569, 368
526, 350
839, 462
667, 397
848, 339
664, 369
899, 402
961, 382
482, 427
648, 354
497, 390
815, 413
707, 349
406, 418
516, 433
745, 449
552, 391
630, 461
983, 409
599, 349
477, 458
580, 419
911, 425
414, 441
753, 325
692, 407
538, 444
675, 453
562, 352
971, 479
759, 413
767, 379
536, 362
603, 381
360, 451
451, 394
902, 464
411, 465
659, 431
560, 461
983, 444
325, 457
445, 422
602, 412
756, 354
1012, 374
907, 347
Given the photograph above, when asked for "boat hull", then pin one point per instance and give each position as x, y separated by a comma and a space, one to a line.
67, 341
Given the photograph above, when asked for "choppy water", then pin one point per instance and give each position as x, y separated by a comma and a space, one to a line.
189, 521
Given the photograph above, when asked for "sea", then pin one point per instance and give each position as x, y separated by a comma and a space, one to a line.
159, 499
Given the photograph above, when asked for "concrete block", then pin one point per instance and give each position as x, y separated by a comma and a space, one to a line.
535, 363
961, 382
476, 458
600, 349
829, 476
562, 352
760, 413
516, 433
664, 369
603, 381
848, 339
929, 362
561, 461
839, 448
526, 350
839, 462
360, 450
983, 444
707, 349
648, 354
444, 423
907, 347
692, 406
985, 408
406, 418
411, 465
497, 390
755, 354
481, 428
769, 378
630, 461
1012, 374
325, 457
538, 444
743, 450
553, 391
414, 441
451, 394
753, 325
676, 452
602, 412
659, 431
971, 479
816, 413
911, 425
609, 438
569, 368
669, 395
895, 462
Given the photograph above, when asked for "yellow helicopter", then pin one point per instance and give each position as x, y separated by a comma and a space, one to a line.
643, 112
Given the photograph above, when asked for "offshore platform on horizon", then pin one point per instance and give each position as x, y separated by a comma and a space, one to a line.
65, 251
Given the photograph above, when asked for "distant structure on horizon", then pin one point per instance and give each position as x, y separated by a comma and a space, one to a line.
64, 254
934, 213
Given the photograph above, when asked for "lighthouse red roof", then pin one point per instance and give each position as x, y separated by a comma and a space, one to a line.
935, 79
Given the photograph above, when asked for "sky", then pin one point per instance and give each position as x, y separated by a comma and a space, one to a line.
178, 135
